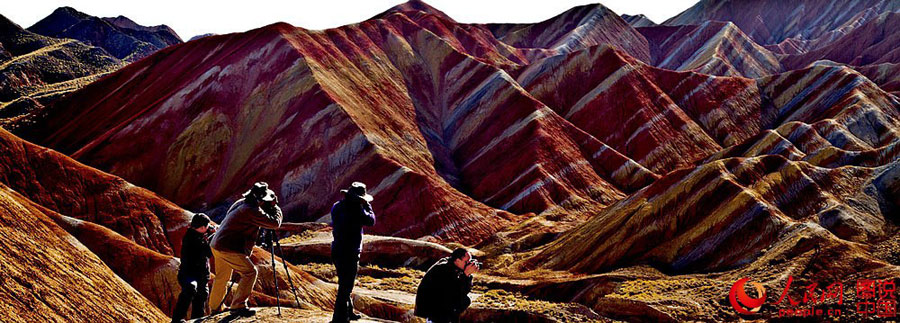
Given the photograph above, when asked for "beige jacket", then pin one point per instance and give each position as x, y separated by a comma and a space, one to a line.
240, 229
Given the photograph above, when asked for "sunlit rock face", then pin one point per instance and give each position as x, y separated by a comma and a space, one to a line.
453, 146
119, 238
73, 283
637, 172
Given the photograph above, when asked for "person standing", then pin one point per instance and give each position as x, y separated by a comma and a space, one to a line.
233, 244
193, 273
443, 293
348, 216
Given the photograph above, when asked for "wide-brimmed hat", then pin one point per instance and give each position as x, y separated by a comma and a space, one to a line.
261, 191
358, 189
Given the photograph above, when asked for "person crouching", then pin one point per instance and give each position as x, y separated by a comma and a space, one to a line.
193, 274
233, 244
442, 295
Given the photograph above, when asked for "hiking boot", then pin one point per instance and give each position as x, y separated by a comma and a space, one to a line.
243, 312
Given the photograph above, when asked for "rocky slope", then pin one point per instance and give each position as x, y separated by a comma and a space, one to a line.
385, 113
35, 69
638, 20
602, 171
114, 229
773, 21
73, 284
120, 36
579, 27
871, 43
717, 48
783, 36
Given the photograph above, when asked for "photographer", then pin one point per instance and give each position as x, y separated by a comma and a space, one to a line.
233, 243
348, 216
193, 273
443, 293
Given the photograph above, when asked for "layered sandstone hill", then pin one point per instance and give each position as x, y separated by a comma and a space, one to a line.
712, 47
116, 237
702, 229
632, 174
773, 21
419, 99
871, 43
120, 36
579, 27
50, 275
782, 36
385, 101
35, 69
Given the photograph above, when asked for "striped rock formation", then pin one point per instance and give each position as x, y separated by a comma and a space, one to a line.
717, 48
50, 275
678, 119
721, 215
671, 251
773, 21
572, 152
856, 34
109, 230
577, 28
841, 119
817, 184
874, 42
385, 101
886, 75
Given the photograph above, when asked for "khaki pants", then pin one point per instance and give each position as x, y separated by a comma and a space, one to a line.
226, 263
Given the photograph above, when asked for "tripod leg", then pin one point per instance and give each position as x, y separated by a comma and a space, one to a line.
275, 278
288, 271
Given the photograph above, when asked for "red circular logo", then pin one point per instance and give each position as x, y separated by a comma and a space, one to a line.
742, 302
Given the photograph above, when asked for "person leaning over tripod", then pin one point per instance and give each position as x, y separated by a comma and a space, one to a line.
348, 216
233, 243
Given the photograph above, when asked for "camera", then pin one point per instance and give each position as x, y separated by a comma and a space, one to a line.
476, 263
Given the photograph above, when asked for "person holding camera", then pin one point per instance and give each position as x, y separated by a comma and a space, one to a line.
193, 273
233, 244
443, 293
348, 216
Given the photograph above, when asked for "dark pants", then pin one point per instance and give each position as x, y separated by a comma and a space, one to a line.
193, 292
346, 263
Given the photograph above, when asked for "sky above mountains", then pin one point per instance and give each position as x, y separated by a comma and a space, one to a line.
190, 18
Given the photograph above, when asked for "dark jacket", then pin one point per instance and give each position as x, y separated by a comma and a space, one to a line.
195, 254
347, 220
240, 229
443, 292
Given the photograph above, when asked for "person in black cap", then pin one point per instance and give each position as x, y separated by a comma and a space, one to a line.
193, 274
348, 216
233, 244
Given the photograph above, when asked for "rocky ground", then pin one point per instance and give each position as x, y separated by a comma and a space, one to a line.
392, 268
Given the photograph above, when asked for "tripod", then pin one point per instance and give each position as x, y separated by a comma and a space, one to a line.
271, 241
